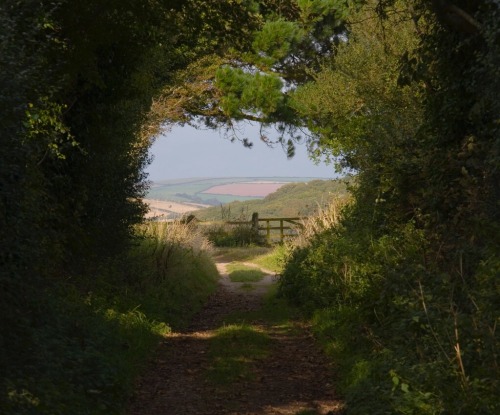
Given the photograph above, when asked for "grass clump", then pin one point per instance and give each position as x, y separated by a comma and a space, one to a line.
270, 258
247, 287
275, 310
243, 273
242, 342
241, 254
233, 350
273, 260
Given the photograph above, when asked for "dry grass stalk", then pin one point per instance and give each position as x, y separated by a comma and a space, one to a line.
326, 218
187, 235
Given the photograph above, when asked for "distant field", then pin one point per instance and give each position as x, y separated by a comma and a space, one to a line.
170, 209
285, 197
196, 190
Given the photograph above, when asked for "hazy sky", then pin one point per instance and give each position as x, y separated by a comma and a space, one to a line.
185, 152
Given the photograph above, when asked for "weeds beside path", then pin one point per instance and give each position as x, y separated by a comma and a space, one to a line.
243, 354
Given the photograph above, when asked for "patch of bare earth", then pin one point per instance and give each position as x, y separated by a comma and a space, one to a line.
294, 377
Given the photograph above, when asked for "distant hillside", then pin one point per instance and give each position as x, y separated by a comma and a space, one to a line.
294, 199
216, 191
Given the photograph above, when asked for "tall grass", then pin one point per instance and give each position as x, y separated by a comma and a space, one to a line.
326, 218
239, 272
179, 269
168, 235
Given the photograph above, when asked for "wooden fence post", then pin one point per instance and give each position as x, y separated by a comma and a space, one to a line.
255, 222
268, 232
255, 227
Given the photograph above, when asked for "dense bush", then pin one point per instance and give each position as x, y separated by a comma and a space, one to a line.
409, 336
91, 337
405, 289
77, 83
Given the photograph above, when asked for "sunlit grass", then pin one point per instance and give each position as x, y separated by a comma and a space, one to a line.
270, 258
243, 273
241, 254
273, 260
275, 311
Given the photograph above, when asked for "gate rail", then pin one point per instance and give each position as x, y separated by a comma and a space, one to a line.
284, 224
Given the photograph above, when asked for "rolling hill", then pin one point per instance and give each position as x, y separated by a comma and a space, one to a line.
217, 191
293, 199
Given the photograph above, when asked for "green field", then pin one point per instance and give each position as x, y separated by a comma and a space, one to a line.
190, 190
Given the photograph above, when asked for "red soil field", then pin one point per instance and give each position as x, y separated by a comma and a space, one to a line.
245, 189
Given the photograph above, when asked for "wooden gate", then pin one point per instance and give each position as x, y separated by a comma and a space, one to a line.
268, 225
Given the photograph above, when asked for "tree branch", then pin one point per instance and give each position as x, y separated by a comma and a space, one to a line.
456, 17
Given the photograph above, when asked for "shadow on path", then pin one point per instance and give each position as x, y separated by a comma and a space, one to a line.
294, 378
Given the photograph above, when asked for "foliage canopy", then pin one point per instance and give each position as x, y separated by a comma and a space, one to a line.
404, 94
412, 268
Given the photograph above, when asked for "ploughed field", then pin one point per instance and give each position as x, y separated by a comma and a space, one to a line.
216, 191
256, 189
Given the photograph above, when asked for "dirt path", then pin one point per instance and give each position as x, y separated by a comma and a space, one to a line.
294, 379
